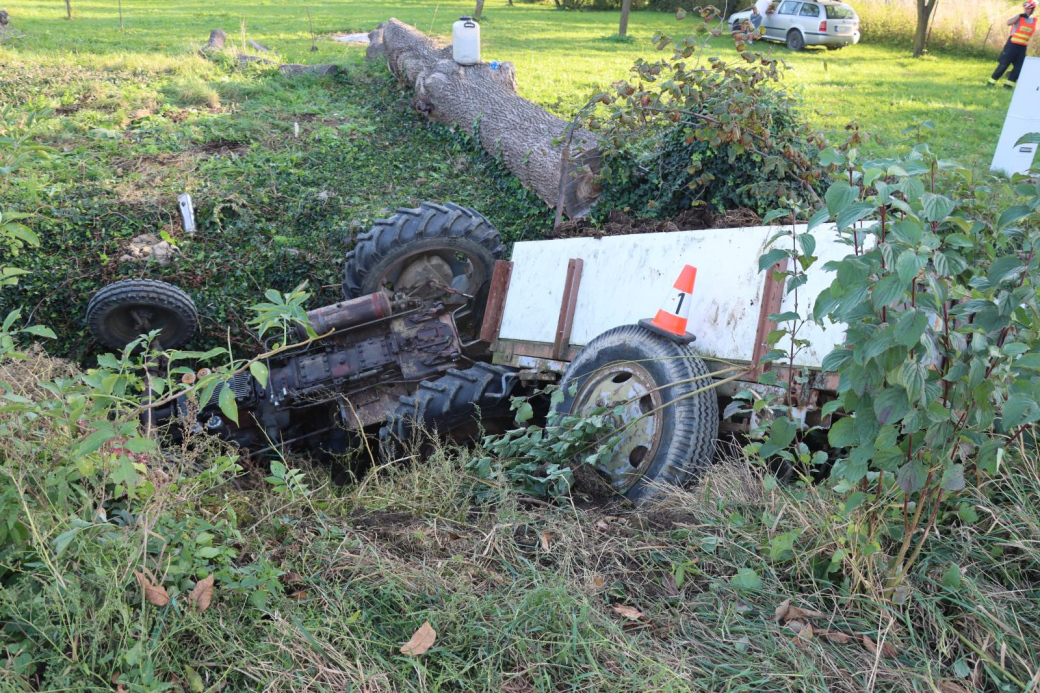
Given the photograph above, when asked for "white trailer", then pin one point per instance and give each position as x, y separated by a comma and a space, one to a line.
568, 310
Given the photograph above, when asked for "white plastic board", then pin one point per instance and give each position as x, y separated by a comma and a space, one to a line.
626, 278
1023, 117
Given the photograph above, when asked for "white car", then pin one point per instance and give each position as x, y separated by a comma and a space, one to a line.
800, 24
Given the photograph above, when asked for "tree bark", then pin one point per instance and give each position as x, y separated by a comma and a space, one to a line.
483, 102
68, 9
626, 7
924, 13
479, 10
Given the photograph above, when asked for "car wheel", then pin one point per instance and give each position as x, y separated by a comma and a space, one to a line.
795, 40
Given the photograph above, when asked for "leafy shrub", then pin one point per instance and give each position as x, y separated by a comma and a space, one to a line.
716, 133
675, 169
939, 371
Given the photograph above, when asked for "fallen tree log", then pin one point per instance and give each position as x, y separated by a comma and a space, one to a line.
483, 101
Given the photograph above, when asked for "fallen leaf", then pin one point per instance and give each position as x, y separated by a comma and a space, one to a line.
546, 537
421, 641
292, 578
299, 596
951, 687
600, 524
669, 585
202, 595
785, 612
796, 626
154, 594
629, 612
835, 636
805, 634
887, 649
598, 581
120, 689
803, 614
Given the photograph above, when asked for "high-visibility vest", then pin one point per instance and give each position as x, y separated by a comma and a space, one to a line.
1023, 31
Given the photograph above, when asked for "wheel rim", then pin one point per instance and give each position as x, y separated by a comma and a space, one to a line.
127, 323
633, 402
432, 272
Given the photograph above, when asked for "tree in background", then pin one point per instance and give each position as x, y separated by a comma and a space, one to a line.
68, 9
925, 8
626, 7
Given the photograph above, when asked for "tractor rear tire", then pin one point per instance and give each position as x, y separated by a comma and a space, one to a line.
649, 384
428, 229
450, 408
119, 313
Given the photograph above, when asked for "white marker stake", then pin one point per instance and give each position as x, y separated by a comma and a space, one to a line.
187, 213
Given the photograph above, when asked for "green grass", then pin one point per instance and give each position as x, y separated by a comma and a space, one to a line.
317, 591
561, 57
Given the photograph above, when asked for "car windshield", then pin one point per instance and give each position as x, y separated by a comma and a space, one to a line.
840, 12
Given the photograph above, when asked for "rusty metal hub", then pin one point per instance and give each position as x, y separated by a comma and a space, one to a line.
633, 409
434, 273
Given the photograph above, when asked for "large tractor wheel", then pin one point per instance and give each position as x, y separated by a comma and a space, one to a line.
121, 312
429, 252
454, 407
647, 385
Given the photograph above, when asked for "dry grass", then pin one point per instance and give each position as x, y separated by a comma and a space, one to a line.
959, 24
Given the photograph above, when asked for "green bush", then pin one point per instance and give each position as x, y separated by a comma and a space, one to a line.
717, 133
672, 170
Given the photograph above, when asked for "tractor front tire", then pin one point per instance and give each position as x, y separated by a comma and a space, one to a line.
121, 312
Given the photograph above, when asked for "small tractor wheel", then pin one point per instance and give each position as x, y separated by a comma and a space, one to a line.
428, 252
121, 312
454, 407
648, 385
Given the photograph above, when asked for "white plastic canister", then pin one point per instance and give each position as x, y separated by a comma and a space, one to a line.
465, 41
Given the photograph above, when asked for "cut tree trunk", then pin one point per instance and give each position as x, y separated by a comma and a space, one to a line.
217, 40
483, 101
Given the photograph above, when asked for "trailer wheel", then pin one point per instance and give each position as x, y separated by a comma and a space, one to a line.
448, 408
647, 384
424, 252
121, 312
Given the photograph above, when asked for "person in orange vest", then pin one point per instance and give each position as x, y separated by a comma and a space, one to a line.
1014, 53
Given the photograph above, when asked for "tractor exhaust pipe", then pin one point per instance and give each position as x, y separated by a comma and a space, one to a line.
349, 313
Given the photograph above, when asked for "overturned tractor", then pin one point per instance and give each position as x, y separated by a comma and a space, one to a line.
438, 332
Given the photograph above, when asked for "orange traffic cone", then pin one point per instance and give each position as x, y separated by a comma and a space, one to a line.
671, 320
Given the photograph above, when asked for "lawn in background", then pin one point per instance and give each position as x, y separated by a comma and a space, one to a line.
561, 57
